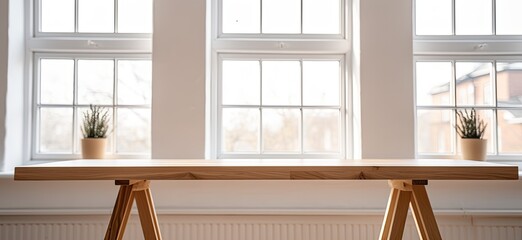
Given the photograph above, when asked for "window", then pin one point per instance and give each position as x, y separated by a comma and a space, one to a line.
467, 17
467, 56
90, 52
281, 17
279, 91
93, 16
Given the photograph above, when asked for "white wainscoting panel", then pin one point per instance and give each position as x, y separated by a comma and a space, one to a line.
255, 227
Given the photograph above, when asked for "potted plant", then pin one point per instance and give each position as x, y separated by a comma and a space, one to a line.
95, 127
471, 130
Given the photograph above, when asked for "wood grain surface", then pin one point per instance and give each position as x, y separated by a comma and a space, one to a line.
261, 169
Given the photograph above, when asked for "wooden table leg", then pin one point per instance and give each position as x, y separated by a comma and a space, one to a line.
130, 190
120, 214
396, 213
413, 193
148, 219
423, 214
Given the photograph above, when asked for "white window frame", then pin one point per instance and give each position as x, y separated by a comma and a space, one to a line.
451, 48
277, 46
71, 45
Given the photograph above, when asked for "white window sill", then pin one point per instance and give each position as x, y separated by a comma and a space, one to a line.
6, 175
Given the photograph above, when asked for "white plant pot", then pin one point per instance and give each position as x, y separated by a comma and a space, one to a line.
93, 148
473, 148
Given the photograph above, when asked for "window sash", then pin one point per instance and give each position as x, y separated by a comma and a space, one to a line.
344, 27
36, 105
453, 36
494, 107
261, 154
36, 25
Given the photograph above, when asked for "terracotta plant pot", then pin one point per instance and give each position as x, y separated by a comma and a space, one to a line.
473, 148
93, 148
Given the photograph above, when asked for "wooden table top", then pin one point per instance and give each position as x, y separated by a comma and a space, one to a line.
266, 169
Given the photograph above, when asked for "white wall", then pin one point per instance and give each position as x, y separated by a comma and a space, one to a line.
4, 16
178, 131
178, 102
386, 79
15, 98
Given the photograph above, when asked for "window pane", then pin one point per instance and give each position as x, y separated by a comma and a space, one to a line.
433, 83
321, 130
241, 82
435, 133
322, 17
241, 16
133, 130
240, 130
134, 81
321, 83
281, 130
509, 17
56, 125
95, 81
509, 84
96, 16
433, 17
57, 15
473, 84
281, 16
473, 17
135, 16
281, 83
510, 131
56, 81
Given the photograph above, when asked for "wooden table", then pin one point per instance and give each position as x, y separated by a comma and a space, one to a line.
407, 178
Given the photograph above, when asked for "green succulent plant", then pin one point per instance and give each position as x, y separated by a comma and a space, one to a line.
469, 124
95, 122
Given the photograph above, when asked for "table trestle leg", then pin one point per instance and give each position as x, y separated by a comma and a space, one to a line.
120, 214
423, 214
148, 219
395, 218
404, 194
130, 190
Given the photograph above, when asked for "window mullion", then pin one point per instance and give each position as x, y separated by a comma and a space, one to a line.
115, 103
494, 17
76, 134
301, 120
116, 6
260, 17
260, 107
453, 90
494, 128
76, 15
